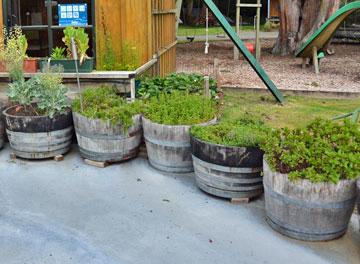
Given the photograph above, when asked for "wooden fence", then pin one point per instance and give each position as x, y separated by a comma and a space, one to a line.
148, 26
164, 41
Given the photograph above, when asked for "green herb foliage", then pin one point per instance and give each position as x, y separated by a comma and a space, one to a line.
324, 151
51, 97
58, 53
14, 52
191, 83
105, 104
245, 132
43, 95
81, 39
180, 109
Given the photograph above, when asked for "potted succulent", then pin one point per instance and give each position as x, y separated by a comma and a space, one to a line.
310, 179
63, 57
39, 124
14, 52
108, 128
227, 157
166, 123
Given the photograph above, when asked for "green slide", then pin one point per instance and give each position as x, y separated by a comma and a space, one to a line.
248, 56
324, 34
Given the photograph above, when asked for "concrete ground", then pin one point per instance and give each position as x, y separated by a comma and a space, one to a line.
69, 212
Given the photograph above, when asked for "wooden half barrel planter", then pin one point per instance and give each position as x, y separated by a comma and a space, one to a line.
308, 211
358, 201
2, 130
38, 137
168, 147
227, 172
101, 141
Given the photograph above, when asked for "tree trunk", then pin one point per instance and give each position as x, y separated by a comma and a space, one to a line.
299, 19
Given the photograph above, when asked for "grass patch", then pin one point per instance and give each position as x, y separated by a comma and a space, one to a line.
297, 112
191, 31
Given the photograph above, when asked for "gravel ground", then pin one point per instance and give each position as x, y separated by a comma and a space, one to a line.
339, 72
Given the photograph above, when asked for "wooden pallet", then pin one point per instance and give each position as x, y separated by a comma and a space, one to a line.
57, 158
98, 164
240, 200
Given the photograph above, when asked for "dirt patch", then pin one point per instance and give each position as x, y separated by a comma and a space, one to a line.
339, 72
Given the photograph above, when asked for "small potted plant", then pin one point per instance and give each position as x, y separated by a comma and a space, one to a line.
108, 128
14, 52
310, 179
63, 57
166, 123
227, 157
39, 124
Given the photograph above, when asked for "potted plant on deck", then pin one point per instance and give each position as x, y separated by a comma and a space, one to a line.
63, 57
310, 179
166, 123
227, 158
14, 52
108, 128
39, 124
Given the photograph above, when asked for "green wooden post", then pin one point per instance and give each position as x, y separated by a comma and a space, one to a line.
248, 56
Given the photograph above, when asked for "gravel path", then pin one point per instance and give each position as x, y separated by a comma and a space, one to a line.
339, 72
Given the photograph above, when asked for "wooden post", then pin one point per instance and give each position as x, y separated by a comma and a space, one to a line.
132, 89
178, 12
207, 86
316, 60
236, 50
304, 62
258, 43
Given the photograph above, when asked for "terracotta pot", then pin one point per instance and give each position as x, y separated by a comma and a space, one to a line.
30, 65
2, 66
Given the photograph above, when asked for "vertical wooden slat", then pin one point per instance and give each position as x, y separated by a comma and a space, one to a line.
133, 21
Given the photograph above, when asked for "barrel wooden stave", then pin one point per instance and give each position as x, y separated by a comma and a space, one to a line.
39, 137
358, 201
40, 145
168, 146
105, 142
308, 211
225, 171
2, 133
2, 126
228, 182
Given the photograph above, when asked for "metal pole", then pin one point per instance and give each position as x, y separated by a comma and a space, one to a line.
207, 32
258, 43
75, 57
236, 50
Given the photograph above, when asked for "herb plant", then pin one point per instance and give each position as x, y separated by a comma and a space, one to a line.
51, 92
42, 95
58, 53
14, 52
105, 104
180, 109
324, 151
245, 132
81, 39
23, 92
191, 83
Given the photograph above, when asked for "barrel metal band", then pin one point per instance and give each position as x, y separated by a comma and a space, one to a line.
106, 137
286, 227
176, 144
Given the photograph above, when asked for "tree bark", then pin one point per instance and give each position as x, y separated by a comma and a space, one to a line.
299, 19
